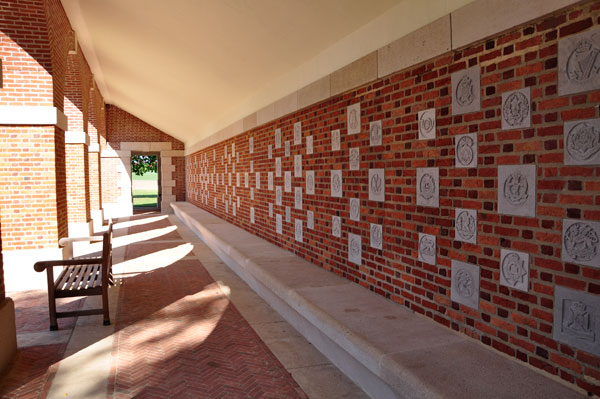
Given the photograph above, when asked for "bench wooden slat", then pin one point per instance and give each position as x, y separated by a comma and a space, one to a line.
80, 272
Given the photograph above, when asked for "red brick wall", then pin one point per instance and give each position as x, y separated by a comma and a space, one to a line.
78, 193
179, 177
2, 289
515, 323
109, 177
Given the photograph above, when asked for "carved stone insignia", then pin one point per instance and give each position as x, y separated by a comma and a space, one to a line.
466, 87
465, 225
355, 209
310, 182
288, 214
582, 142
516, 109
375, 133
277, 138
354, 248
298, 230
336, 226
465, 284
579, 63
353, 113
335, 140
428, 190
287, 181
427, 248
577, 319
376, 236
279, 224
516, 190
466, 150
581, 242
297, 133
354, 158
427, 124
309, 145
310, 220
336, 183
514, 269
298, 197
377, 185
298, 165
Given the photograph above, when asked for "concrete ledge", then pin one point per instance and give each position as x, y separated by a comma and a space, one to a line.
77, 137
356, 74
8, 333
387, 350
33, 116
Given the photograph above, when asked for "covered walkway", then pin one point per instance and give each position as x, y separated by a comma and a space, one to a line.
183, 326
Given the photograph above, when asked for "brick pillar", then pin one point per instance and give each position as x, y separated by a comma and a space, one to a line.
95, 170
78, 193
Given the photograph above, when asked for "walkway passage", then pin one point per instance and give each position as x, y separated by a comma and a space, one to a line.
175, 332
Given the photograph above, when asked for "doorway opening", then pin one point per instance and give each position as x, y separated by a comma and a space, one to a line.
145, 184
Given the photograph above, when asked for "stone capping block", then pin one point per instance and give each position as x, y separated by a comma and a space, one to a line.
77, 137
250, 121
32, 115
172, 153
168, 183
265, 114
420, 45
378, 353
356, 74
286, 105
317, 91
484, 18
94, 147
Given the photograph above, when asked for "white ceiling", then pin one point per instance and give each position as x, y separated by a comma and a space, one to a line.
184, 66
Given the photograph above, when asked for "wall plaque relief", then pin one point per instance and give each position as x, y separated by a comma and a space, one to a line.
466, 151
229, 178
270, 181
257, 174
287, 148
215, 202
278, 196
270, 151
298, 230
277, 138
514, 269
428, 187
225, 151
427, 125
354, 248
516, 109
298, 165
309, 145
214, 155
246, 180
354, 155
310, 220
353, 116
579, 62
252, 215
355, 209
517, 190
297, 133
581, 242
582, 142
336, 226
375, 133
465, 225
278, 167
270, 210
465, 284
298, 197
466, 91
288, 214
238, 202
335, 140
427, 248
252, 194
237, 156
278, 224
310, 182
336, 183
288, 181
232, 148
251, 166
376, 236
377, 185
251, 145
577, 319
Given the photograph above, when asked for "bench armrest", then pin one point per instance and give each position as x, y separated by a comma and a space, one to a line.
68, 240
43, 265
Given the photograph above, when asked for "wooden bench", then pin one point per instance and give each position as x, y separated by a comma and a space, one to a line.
80, 276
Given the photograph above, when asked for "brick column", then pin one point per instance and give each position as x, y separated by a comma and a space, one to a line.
78, 192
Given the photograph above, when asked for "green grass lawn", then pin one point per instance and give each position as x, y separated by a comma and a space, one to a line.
146, 198
147, 176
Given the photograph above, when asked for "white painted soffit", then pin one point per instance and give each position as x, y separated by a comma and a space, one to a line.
192, 67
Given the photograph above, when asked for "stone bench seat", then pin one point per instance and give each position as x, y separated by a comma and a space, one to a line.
386, 349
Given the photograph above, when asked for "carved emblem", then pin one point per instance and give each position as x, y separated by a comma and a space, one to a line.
376, 236
335, 140
278, 167
577, 320
310, 220
270, 210
515, 110
298, 197
375, 132
376, 184
278, 138
310, 183
288, 214
465, 150
466, 225
354, 248
427, 186
465, 92
516, 188
297, 133
270, 151
354, 119
354, 158
336, 184
279, 224
297, 165
251, 145
355, 209
581, 242
287, 182
270, 182
287, 148
278, 195
336, 226
514, 269
584, 63
465, 285
309, 145
298, 230
427, 124
583, 141
427, 246
252, 215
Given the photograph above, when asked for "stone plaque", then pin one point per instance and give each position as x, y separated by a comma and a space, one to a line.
237, 156
336, 183
252, 215
577, 319
309, 145
582, 142
354, 158
298, 165
270, 151
238, 202
215, 202
298, 230
376, 236
278, 196
251, 145
298, 197
297, 133
428, 187
251, 166
353, 114
516, 109
214, 155
355, 209
287, 148
375, 133
288, 214
377, 185
465, 284
466, 151
278, 167
514, 269
246, 180
336, 226
270, 210
335, 140
310, 182
427, 125
288, 181
225, 151
277, 138
466, 91
229, 178
581, 242
279, 224
427, 248
270, 181
579, 62
257, 174
465, 225
233, 148
354, 248
516, 190
252, 194
310, 220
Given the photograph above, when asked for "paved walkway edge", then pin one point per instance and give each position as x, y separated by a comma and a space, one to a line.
416, 358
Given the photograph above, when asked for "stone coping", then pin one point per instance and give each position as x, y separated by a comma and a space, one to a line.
409, 354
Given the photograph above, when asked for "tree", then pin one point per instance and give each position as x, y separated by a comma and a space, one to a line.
141, 164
